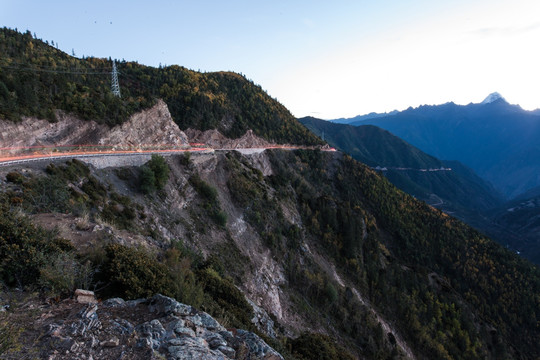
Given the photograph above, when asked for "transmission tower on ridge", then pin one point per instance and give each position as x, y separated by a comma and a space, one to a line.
115, 86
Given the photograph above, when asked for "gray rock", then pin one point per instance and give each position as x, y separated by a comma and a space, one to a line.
258, 348
215, 340
85, 296
227, 351
177, 331
209, 322
187, 348
93, 342
262, 320
133, 303
88, 321
227, 336
53, 330
67, 344
168, 306
184, 331
114, 302
89, 312
112, 342
152, 333
122, 327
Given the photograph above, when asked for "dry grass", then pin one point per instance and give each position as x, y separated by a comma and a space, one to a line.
83, 222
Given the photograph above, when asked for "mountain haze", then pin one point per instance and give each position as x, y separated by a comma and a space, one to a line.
372, 115
499, 141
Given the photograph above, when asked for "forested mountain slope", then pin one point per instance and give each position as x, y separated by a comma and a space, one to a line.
455, 188
521, 217
36, 79
317, 239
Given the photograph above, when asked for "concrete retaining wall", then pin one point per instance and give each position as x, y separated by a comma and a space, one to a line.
102, 162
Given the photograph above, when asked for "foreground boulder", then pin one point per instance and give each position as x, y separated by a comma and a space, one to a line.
154, 328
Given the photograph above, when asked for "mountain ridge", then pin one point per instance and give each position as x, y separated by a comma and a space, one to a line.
497, 140
31, 84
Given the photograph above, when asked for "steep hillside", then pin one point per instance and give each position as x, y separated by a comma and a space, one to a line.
455, 189
499, 141
318, 240
459, 192
521, 217
36, 79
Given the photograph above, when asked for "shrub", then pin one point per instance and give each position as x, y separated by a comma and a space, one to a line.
318, 346
72, 170
15, 177
9, 335
154, 174
134, 273
25, 249
120, 215
94, 189
63, 273
331, 293
147, 180
226, 298
220, 218
47, 194
188, 290
210, 195
161, 170
186, 159
204, 189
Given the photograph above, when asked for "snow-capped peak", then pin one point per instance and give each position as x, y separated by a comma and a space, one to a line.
492, 98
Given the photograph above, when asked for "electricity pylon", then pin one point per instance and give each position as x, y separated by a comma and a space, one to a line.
115, 86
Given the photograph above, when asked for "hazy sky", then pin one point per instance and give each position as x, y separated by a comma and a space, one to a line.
327, 59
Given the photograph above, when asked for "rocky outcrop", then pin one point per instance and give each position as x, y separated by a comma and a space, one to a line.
154, 328
154, 126
216, 140
262, 320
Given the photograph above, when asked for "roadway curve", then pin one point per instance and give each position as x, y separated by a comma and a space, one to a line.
18, 159
12, 160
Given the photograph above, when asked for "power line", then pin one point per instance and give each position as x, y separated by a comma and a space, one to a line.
54, 71
13, 65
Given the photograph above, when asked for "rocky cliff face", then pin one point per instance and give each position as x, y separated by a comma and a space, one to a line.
156, 328
216, 140
154, 126
150, 127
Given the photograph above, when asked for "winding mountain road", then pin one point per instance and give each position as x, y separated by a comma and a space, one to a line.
87, 152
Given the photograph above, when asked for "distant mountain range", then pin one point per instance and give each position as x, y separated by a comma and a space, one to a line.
499, 141
448, 185
372, 115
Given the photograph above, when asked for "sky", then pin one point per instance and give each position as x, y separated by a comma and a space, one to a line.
327, 59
